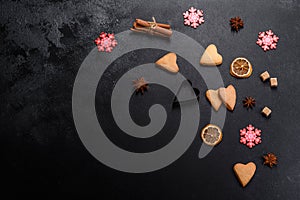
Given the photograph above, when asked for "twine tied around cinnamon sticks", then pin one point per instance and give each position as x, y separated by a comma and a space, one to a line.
152, 25
152, 28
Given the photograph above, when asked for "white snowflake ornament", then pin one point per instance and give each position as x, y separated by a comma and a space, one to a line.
267, 40
193, 17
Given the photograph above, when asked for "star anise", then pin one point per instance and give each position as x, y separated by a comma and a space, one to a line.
249, 102
236, 23
140, 85
270, 159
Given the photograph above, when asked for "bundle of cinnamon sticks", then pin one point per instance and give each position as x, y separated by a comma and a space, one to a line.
152, 28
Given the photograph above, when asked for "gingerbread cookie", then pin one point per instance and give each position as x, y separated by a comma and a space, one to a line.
228, 96
168, 62
244, 173
214, 99
211, 56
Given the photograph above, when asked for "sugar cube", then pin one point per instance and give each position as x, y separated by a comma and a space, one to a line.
266, 111
265, 75
273, 82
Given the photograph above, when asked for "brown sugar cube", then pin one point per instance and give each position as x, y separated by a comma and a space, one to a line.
265, 75
273, 82
266, 111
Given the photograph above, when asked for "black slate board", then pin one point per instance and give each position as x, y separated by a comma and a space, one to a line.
43, 43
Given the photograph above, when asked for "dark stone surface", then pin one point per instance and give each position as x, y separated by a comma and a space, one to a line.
43, 44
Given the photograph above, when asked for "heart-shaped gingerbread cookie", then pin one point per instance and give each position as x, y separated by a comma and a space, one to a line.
168, 62
228, 96
244, 172
211, 56
214, 99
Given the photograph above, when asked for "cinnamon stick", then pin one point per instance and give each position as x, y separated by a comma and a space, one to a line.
152, 27
147, 23
144, 30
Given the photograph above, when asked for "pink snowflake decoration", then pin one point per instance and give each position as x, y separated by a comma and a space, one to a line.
193, 17
106, 42
250, 136
267, 40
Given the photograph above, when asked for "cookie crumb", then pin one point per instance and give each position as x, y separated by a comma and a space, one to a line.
266, 111
265, 76
273, 82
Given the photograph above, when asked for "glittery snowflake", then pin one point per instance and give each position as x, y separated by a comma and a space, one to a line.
267, 40
250, 136
193, 17
106, 42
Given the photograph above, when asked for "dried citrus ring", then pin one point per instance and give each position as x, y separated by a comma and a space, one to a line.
211, 135
241, 68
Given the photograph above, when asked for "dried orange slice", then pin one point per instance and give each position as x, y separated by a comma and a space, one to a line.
241, 68
211, 135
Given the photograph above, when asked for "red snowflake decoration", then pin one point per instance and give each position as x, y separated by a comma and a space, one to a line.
106, 42
193, 17
250, 136
267, 40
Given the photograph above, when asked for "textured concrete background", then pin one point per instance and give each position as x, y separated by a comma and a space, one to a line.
42, 46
